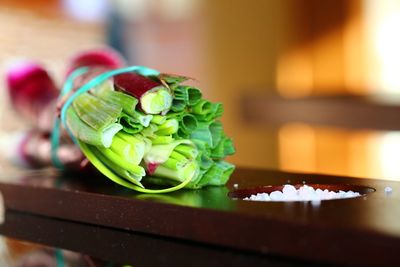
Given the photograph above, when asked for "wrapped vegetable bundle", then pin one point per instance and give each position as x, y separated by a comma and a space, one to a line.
144, 130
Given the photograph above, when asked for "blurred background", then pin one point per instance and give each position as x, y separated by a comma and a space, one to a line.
308, 85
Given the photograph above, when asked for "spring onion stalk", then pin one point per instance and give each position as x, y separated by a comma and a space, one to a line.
86, 107
89, 135
144, 130
159, 133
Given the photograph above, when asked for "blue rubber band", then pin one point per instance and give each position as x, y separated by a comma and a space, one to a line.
60, 262
98, 80
55, 133
68, 86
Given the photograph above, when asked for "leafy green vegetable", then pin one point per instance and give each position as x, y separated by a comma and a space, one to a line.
170, 142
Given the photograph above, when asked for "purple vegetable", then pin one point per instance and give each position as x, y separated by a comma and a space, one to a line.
104, 58
34, 95
32, 91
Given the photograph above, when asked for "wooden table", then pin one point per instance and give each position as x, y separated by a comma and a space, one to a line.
206, 227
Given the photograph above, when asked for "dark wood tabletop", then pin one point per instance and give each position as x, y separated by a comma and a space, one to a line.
363, 230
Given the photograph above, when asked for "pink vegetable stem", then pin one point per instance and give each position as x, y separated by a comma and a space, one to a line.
105, 58
134, 84
30, 88
151, 168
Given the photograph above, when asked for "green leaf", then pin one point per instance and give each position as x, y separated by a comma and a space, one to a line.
187, 123
203, 133
172, 79
203, 107
217, 175
217, 132
188, 94
130, 125
178, 105
205, 161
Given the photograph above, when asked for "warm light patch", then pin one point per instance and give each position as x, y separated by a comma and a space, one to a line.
354, 50
388, 156
297, 147
362, 150
382, 19
295, 74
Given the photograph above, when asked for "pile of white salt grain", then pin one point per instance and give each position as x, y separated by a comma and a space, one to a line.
304, 193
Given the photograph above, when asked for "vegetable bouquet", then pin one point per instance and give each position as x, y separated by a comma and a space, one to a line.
143, 129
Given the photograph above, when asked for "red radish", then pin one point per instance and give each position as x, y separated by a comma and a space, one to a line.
105, 58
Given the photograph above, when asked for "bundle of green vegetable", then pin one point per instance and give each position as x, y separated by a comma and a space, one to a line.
147, 131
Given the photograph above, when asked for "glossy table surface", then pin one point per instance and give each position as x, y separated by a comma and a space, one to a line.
363, 230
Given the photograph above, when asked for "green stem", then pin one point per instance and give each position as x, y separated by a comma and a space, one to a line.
190, 169
169, 127
120, 161
95, 112
112, 176
132, 150
187, 151
158, 119
178, 156
87, 134
174, 164
164, 139
135, 178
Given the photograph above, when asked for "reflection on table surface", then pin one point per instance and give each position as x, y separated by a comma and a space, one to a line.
108, 247
213, 197
16, 253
